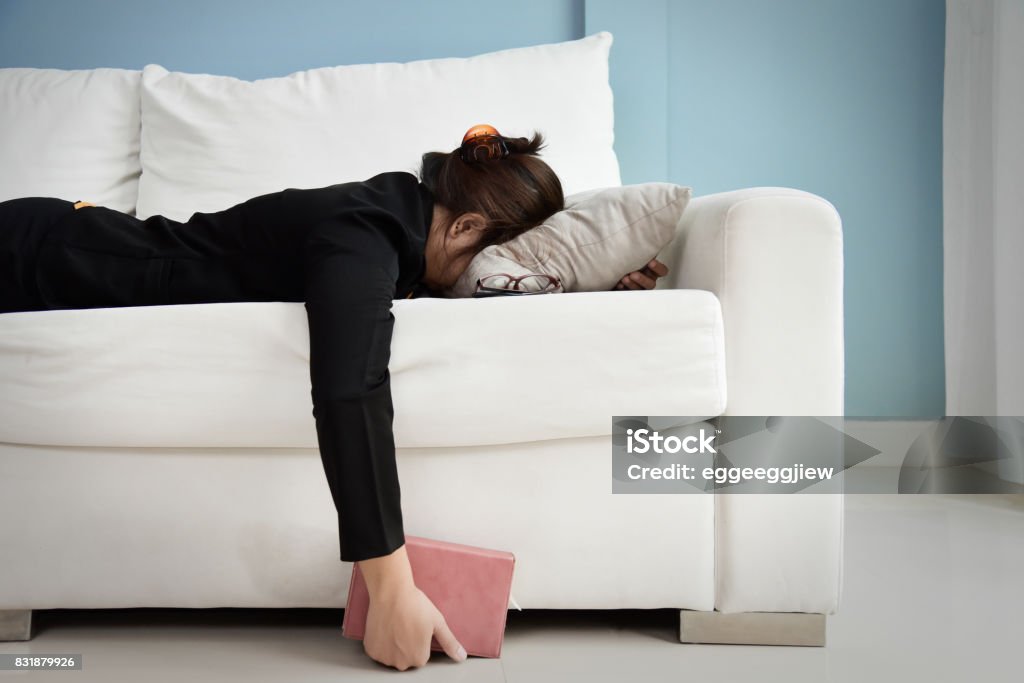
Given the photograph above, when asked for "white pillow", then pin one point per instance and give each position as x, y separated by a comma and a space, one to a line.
71, 134
600, 236
209, 142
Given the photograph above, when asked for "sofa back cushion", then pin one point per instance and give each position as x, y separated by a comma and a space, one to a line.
72, 134
209, 142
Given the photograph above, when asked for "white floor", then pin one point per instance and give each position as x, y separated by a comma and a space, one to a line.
933, 592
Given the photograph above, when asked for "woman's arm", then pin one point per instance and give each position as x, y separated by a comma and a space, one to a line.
349, 283
351, 271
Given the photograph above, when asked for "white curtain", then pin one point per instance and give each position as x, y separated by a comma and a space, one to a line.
983, 206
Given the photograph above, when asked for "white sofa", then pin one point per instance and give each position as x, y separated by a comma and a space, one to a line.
166, 456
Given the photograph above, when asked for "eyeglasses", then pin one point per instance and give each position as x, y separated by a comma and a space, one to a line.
503, 284
483, 143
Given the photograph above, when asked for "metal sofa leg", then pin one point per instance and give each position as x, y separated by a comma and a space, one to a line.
15, 624
752, 628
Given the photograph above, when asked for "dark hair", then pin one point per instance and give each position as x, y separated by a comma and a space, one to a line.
513, 194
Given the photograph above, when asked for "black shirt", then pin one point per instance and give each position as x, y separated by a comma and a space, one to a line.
346, 250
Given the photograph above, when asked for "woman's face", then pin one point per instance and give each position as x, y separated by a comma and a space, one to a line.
443, 269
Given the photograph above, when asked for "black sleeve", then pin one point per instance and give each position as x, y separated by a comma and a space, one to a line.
351, 272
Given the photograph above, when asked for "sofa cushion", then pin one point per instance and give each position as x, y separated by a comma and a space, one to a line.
463, 371
209, 142
70, 134
600, 236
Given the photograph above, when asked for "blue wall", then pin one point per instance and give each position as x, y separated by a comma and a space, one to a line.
262, 38
842, 98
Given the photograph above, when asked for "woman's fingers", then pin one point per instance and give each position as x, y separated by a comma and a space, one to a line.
634, 280
645, 278
642, 280
447, 640
628, 283
659, 269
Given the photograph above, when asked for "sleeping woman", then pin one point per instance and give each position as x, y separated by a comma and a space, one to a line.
346, 250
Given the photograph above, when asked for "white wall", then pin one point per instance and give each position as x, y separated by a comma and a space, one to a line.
983, 202
1008, 124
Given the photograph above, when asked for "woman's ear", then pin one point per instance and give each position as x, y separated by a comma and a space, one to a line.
468, 222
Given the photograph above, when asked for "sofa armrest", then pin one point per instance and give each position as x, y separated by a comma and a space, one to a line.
774, 258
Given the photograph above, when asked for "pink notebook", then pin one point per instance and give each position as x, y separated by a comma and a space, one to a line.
470, 585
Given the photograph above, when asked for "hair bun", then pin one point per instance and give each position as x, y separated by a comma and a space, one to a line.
525, 145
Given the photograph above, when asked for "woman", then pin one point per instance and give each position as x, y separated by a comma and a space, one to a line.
347, 251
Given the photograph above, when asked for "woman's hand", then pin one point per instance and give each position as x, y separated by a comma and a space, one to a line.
79, 205
399, 626
401, 619
645, 278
